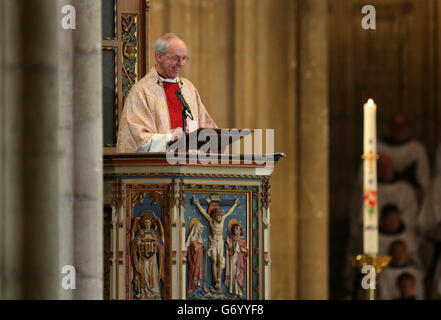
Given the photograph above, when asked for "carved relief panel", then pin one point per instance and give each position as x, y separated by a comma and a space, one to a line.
177, 240
221, 247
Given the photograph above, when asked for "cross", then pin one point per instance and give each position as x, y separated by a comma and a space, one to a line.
370, 157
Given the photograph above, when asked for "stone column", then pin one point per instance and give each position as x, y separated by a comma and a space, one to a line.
3, 122
313, 150
11, 208
87, 148
2, 143
65, 147
38, 108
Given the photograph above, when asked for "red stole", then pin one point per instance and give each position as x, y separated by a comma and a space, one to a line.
174, 105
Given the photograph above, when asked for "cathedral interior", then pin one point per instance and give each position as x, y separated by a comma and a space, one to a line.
304, 68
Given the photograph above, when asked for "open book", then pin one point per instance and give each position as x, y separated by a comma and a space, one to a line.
209, 139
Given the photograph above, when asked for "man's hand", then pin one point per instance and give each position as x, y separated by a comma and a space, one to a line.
237, 202
176, 133
196, 201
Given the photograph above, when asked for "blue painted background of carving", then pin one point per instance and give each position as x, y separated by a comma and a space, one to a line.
147, 205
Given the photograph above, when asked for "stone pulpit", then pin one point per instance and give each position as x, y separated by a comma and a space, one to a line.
182, 229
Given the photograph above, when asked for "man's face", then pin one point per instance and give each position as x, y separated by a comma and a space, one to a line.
399, 253
391, 222
400, 128
407, 287
170, 64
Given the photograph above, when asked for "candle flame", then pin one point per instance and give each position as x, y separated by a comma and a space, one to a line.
370, 102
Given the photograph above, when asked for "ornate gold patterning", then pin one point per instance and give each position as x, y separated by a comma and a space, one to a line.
130, 52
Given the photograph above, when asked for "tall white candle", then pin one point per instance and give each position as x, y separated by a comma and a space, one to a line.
370, 199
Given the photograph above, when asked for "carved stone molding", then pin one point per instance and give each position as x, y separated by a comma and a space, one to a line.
265, 195
138, 197
117, 194
173, 195
139, 191
181, 194
162, 174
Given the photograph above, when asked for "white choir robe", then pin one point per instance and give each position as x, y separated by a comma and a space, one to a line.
407, 236
387, 282
432, 215
398, 193
403, 155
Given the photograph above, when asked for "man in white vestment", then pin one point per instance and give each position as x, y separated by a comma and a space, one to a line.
401, 263
409, 156
152, 114
393, 228
390, 191
432, 216
431, 227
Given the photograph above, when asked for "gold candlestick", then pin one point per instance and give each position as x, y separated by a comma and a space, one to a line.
378, 262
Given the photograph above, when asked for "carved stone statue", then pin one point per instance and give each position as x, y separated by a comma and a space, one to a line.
237, 252
147, 255
194, 246
216, 219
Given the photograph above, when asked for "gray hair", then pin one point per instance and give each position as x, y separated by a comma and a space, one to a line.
163, 43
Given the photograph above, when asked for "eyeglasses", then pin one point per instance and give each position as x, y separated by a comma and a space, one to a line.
177, 58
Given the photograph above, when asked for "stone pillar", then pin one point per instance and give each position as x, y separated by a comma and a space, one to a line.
33, 214
313, 150
11, 208
39, 149
65, 147
87, 148
2, 149
29, 155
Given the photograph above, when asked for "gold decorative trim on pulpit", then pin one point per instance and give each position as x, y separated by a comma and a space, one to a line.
265, 200
202, 175
181, 194
117, 194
